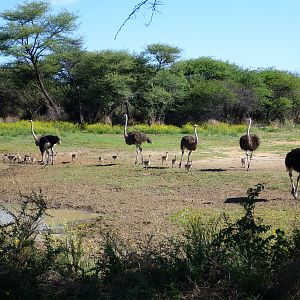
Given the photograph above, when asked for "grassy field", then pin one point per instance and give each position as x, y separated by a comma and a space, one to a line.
140, 201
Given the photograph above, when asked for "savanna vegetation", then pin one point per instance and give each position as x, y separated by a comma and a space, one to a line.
48, 75
218, 251
219, 258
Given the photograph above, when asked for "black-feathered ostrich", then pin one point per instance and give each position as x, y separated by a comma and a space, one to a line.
249, 143
190, 143
292, 162
135, 138
46, 144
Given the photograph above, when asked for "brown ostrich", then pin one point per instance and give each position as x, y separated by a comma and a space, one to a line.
249, 143
292, 162
190, 143
46, 144
135, 138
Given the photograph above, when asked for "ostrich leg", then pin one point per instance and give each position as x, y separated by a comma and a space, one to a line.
52, 156
296, 190
248, 160
141, 153
189, 156
137, 150
182, 152
293, 186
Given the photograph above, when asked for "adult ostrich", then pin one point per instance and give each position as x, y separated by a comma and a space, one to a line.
46, 144
249, 143
190, 143
292, 162
135, 138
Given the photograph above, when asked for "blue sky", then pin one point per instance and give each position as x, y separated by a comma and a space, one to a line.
250, 33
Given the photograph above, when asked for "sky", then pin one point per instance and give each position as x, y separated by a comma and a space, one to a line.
249, 33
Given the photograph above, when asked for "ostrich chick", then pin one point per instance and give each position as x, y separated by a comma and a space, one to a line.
188, 166
174, 161
115, 156
243, 162
101, 160
164, 158
26, 159
146, 162
74, 156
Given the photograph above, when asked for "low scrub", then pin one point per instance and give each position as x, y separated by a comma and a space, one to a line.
240, 259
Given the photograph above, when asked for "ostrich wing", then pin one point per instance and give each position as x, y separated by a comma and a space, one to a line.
136, 137
249, 143
292, 160
188, 142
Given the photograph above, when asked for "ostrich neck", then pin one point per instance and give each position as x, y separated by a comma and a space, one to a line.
33, 134
196, 136
125, 127
248, 130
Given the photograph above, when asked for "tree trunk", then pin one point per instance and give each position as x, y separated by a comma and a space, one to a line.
53, 109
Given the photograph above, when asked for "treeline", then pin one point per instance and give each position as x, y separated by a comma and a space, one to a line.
53, 78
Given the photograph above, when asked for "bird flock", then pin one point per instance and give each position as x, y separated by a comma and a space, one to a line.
248, 142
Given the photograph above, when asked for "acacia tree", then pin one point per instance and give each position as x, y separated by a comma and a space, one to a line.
31, 33
162, 55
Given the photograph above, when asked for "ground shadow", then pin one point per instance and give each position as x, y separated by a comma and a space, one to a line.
242, 199
65, 162
212, 170
158, 167
105, 165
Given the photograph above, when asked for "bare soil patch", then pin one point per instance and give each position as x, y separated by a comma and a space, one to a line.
137, 202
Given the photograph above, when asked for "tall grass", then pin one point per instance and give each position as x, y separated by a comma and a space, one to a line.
23, 128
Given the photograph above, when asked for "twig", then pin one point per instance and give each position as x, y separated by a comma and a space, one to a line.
137, 7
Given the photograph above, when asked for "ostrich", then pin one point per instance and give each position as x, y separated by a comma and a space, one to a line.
174, 161
135, 138
188, 166
74, 156
147, 162
243, 162
26, 159
190, 143
292, 162
249, 143
115, 156
46, 144
164, 158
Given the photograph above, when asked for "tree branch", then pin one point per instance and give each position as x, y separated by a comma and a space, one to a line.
152, 5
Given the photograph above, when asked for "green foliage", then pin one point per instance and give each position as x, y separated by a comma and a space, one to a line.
251, 256
236, 258
162, 55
